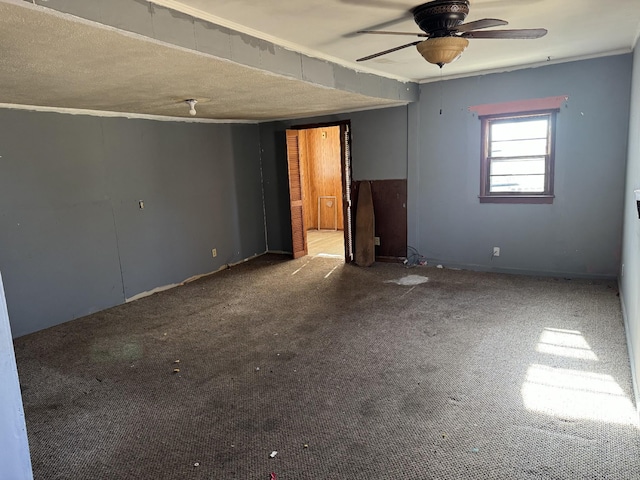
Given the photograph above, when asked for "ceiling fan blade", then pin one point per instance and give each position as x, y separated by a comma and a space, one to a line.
383, 32
379, 54
478, 24
389, 23
515, 34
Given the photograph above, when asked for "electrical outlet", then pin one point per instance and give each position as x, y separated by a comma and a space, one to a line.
496, 251
376, 241
214, 252
140, 204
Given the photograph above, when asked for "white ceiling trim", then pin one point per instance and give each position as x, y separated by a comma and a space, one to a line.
164, 118
108, 114
531, 65
194, 12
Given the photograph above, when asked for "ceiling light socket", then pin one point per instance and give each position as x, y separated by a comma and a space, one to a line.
192, 106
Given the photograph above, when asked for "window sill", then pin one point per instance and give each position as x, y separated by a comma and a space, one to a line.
532, 199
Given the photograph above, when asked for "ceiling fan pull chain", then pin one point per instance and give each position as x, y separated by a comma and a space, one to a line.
441, 90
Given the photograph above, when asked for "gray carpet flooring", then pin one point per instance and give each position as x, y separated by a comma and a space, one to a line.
346, 373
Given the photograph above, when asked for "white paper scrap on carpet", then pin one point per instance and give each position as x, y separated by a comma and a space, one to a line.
409, 280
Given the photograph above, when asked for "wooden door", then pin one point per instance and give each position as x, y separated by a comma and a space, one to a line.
298, 230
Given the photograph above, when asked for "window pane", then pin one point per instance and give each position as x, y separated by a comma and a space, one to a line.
517, 156
520, 129
519, 148
529, 166
517, 183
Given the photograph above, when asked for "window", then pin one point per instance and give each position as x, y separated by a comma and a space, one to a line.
517, 158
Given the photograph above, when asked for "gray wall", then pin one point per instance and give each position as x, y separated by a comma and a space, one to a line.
378, 151
630, 272
580, 233
72, 238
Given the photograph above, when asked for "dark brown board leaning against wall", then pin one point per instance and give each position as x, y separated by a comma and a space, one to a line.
390, 211
364, 252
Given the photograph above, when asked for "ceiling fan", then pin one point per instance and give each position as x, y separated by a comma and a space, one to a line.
441, 22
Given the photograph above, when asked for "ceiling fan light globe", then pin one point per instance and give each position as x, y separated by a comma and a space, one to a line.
442, 50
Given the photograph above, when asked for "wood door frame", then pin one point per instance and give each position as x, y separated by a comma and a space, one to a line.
345, 150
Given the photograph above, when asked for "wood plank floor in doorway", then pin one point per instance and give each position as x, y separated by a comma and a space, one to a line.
325, 243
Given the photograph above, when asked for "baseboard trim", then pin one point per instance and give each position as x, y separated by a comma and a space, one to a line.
518, 271
162, 288
384, 259
279, 252
631, 353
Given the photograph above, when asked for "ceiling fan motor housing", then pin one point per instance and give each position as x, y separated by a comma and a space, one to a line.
439, 17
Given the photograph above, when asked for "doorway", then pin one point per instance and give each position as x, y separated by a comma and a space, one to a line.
319, 164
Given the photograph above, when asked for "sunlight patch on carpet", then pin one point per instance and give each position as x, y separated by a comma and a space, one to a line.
332, 270
574, 393
328, 255
565, 343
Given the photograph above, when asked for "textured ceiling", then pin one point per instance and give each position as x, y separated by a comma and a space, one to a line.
116, 61
50, 61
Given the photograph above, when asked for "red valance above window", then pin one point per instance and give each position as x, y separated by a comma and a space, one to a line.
519, 106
